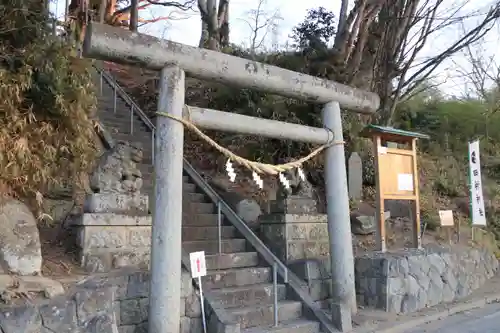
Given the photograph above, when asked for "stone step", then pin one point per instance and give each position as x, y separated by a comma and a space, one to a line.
120, 120
194, 197
198, 207
263, 315
212, 247
236, 277
207, 233
189, 188
292, 326
139, 131
232, 260
247, 295
189, 219
138, 138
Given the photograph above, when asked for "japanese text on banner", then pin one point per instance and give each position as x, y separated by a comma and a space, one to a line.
476, 187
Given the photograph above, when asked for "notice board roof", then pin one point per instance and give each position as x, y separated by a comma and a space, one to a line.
371, 130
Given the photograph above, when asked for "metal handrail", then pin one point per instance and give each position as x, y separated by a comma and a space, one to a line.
289, 278
123, 94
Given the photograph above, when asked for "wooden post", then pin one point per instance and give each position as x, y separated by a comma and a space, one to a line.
380, 232
417, 237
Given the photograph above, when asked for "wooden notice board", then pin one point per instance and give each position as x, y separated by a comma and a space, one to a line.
396, 174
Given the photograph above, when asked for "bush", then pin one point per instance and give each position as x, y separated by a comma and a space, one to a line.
46, 105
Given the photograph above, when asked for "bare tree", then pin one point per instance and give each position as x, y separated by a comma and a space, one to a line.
378, 44
261, 22
214, 23
125, 13
481, 76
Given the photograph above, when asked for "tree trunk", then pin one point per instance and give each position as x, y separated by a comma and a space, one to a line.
215, 23
134, 15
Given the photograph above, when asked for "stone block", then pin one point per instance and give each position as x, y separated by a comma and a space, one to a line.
133, 311
24, 318
312, 269
296, 236
137, 204
138, 285
139, 236
294, 205
292, 218
193, 306
102, 237
112, 219
90, 302
185, 325
127, 329
104, 260
59, 315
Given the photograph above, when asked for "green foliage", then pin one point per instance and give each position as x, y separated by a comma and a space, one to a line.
46, 105
316, 30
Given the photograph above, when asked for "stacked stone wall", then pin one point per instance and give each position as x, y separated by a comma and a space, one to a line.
110, 303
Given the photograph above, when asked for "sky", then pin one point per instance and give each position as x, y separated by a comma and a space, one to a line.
185, 28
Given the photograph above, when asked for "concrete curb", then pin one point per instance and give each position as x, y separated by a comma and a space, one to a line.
411, 323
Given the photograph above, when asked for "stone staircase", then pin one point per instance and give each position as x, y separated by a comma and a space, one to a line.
238, 282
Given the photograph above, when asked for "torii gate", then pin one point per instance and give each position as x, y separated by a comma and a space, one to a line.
174, 60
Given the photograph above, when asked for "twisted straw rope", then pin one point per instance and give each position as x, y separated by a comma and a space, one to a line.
260, 168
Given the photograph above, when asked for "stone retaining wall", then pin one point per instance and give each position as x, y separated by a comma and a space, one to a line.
410, 280
115, 302
405, 281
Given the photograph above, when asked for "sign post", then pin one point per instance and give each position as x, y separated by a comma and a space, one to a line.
477, 211
199, 269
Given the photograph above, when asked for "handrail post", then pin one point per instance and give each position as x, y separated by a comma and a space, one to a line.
275, 293
114, 98
166, 235
153, 146
131, 119
219, 226
100, 82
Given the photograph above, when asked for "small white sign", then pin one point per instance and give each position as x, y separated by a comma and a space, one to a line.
405, 182
382, 150
446, 218
476, 185
198, 264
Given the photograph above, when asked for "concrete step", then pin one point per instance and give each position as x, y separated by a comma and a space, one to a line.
197, 220
199, 207
247, 295
138, 137
189, 188
123, 126
291, 326
194, 197
263, 315
207, 233
232, 260
212, 247
236, 277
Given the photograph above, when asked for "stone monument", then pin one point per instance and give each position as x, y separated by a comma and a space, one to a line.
115, 227
294, 229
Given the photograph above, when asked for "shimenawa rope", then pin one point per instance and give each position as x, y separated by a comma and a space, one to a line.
260, 168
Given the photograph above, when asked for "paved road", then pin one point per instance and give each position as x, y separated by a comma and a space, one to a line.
485, 320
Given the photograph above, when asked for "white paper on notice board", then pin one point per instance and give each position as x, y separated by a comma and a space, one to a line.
405, 182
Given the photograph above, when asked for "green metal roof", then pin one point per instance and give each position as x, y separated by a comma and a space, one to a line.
370, 129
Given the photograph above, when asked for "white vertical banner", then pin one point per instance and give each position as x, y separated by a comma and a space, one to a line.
476, 186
